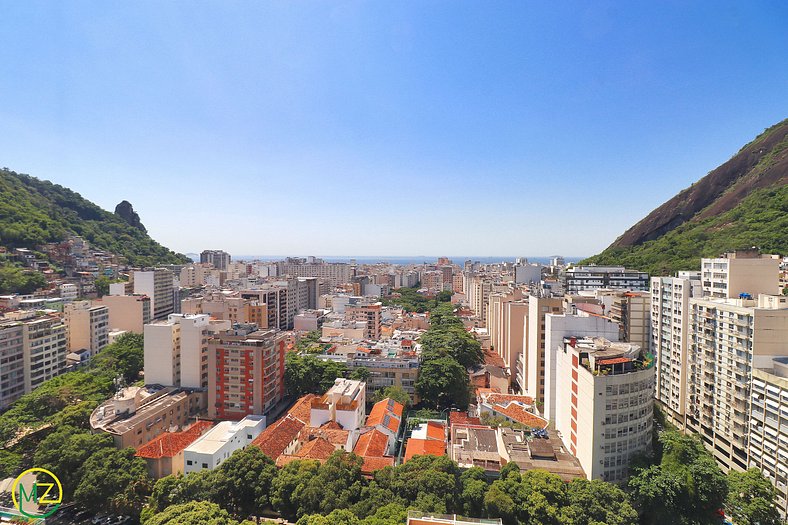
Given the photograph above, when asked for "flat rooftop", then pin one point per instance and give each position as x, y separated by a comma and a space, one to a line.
218, 436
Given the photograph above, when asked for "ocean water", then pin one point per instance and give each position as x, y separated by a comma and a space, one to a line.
410, 259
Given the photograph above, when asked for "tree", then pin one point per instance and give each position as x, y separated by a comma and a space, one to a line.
443, 382
243, 482
474, 488
65, 452
428, 483
286, 488
336, 517
308, 374
658, 495
592, 502
125, 357
395, 393
179, 489
535, 497
454, 342
360, 374
106, 472
751, 499
192, 513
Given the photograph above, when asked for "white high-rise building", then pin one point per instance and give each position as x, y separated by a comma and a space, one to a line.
158, 285
559, 327
670, 332
604, 404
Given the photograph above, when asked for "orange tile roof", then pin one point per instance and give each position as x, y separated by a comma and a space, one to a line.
436, 431
496, 398
372, 443
462, 418
387, 413
274, 440
371, 464
317, 448
170, 444
613, 361
518, 413
332, 425
422, 447
337, 437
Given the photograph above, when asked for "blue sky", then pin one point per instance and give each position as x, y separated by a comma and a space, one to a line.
386, 128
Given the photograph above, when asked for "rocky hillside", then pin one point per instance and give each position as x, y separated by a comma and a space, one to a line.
740, 204
34, 212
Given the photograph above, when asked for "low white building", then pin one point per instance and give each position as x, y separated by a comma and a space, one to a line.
220, 442
343, 403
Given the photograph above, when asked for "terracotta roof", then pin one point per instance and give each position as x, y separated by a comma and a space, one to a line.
422, 447
436, 431
371, 464
170, 444
497, 398
331, 425
613, 361
317, 448
493, 359
462, 418
387, 413
336, 437
372, 443
274, 440
518, 413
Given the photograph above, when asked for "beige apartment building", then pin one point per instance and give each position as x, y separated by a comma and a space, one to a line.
728, 338
158, 285
368, 314
136, 415
44, 340
741, 272
88, 326
534, 364
127, 312
632, 312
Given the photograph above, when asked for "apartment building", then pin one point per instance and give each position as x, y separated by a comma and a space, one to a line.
44, 340
588, 278
368, 314
127, 312
246, 370
158, 285
741, 272
604, 404
219, 443
12, 362
558, 327
283, 300
499, 325
768, 433
136, 415
728, 337
670, 333
176, 350
218, 258
632, 312
87, 326
334, 273
534, 353
478, 289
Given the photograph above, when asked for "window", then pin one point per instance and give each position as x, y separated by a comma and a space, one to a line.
205, 465
189, 462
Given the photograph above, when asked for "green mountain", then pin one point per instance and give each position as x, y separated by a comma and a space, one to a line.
34, 212
741, 204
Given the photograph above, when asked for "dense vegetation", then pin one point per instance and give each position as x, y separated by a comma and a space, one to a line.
760, 219
16, 279
35, 212
50, 428
447, 352
411, 300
